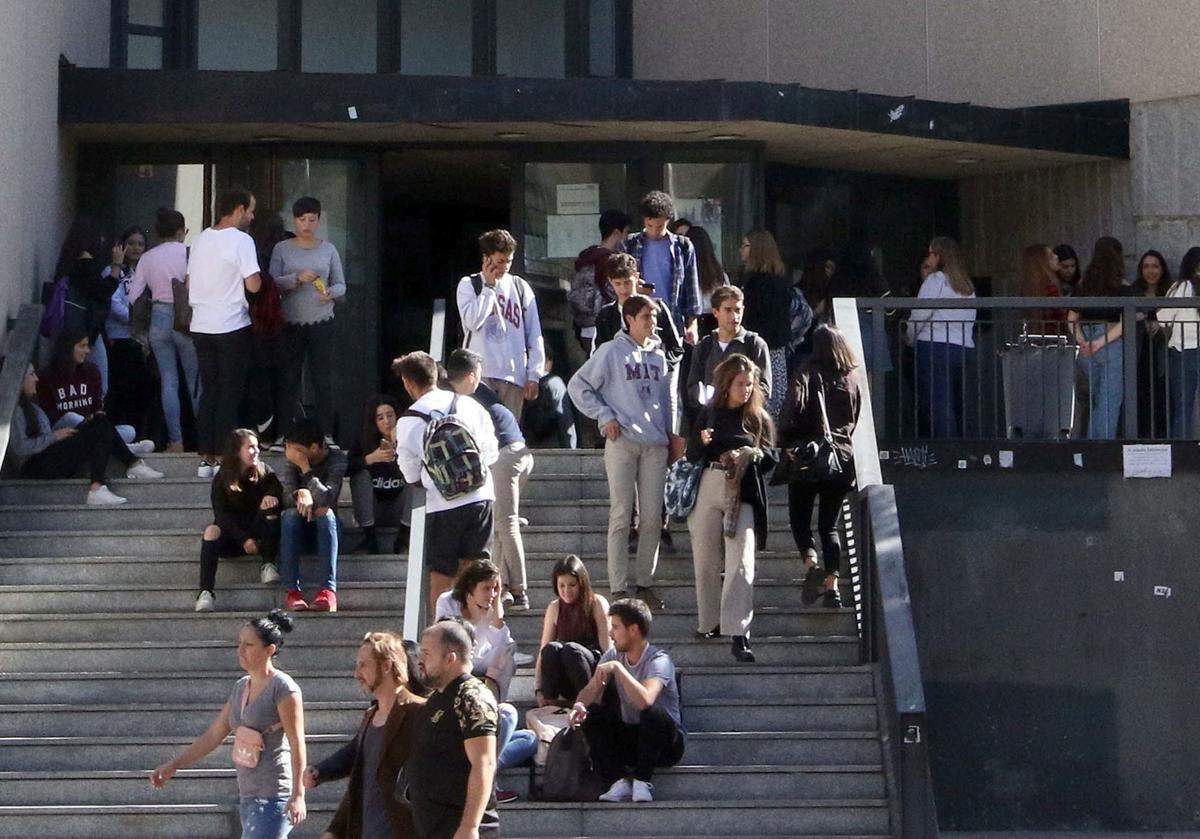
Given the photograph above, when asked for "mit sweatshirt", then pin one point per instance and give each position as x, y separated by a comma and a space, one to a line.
628, 383
501, 323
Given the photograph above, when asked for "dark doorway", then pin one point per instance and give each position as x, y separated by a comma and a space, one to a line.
435, 206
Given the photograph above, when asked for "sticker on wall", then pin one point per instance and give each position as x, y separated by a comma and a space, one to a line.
1162, 591
1078, 458
1147, 461
352, 112
1118, 576
1006, 460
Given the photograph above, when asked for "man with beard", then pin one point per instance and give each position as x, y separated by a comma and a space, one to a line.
373, 805
452, 766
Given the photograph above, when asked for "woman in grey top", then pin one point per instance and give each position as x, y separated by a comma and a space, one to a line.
269, 702
309, 274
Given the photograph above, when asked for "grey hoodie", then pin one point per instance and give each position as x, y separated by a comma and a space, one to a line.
628, 383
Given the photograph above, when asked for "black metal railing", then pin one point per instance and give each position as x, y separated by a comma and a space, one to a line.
1026, 368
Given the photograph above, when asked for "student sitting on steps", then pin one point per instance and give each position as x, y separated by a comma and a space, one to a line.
246, 501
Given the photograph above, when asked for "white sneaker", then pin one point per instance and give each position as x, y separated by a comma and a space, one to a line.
277, 447
141, 470
142, 447
522, 659
620, 791
330, 443
205, 602
642, 791
206, 470
268, 574
104, 497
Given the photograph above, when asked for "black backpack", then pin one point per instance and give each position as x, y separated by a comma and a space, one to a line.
568, 774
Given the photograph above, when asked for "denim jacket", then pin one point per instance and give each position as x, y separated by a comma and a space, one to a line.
685, 281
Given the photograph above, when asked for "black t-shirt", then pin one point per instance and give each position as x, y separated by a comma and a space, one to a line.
438, 769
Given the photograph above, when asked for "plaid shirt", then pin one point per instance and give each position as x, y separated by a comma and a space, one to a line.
685, 281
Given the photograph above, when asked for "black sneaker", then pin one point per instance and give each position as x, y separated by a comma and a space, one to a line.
665, 542
650, 597
814, 582
832, 599
741, 649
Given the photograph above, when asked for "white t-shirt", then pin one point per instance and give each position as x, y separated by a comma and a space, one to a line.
1185, 323
219, 263
410, 449
943, 326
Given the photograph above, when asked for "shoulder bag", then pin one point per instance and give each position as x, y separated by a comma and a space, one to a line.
248, 743
816, 461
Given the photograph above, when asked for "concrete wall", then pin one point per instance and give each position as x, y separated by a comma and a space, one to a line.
1059, 698
1011, 53
36, 161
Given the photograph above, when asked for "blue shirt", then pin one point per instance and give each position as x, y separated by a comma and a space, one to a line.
508, 430
656, 267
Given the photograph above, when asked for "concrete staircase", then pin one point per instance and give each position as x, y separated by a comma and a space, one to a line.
105, 672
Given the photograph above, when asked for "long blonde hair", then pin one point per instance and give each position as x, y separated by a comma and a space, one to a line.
950, 262
755, 418
764, 254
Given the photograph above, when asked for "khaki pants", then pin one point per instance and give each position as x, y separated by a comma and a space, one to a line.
513, 396
635, 473
732, 605
509, 473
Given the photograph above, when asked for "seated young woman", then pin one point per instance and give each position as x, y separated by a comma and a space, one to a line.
39, 451
574, 635
246, 497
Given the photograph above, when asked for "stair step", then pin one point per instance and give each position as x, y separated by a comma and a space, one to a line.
681, 783
330, 655
845, 819
145, 752
184, 625
342, 716
747, 681
385, 594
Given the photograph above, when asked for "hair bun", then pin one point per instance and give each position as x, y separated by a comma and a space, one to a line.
281, 619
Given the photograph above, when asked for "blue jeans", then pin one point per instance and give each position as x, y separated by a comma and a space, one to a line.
1183, 377
939, 381
296, 535
98, 355
513, 747
169, 346
1106, 383
264, 818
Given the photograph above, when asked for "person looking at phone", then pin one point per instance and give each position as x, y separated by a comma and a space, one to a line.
377, 487
500, 322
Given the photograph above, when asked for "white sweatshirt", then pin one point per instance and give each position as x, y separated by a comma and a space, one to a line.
501, 323
1184, 323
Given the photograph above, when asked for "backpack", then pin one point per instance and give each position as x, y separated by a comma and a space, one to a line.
585, 297
450, 454
266, 309
54, 298
568, 775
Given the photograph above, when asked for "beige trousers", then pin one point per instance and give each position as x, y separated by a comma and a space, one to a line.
635, 472
733, 604
511, 395
509, 473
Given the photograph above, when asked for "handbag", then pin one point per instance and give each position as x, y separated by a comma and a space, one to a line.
815, 461
139, 315
569, 775
247, 742
183, 309
545, 722
682, 486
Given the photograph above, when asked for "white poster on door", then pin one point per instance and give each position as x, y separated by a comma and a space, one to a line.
568, 235
578, 199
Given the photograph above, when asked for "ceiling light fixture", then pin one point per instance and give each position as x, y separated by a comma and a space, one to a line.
967, 161
730, 136
269, 138
510, 135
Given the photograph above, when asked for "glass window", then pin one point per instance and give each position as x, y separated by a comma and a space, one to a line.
717, 196
239, 35
602, 38
144, 52
563, 202
338, 37
530, 38
146, 12
139, 190
435, 37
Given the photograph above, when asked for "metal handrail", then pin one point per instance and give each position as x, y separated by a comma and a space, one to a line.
416, 587
884, 610
18, 352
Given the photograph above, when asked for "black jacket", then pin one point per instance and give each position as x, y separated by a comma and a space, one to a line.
800, 417
609, 323
708, 354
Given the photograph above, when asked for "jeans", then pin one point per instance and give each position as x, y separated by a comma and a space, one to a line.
513, 747
98, 355
1106, 382
297, 534
939, 382
1183, 368
224, 364
169, 348
316, 342
264, 818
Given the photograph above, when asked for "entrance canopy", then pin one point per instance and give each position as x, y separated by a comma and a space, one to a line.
819, 128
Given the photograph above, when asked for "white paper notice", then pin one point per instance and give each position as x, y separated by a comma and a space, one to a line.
1006, 460
578, 199
568, 235
1147, 461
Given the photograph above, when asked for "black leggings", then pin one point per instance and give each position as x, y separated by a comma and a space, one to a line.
263, 529
224, 364
566, 668
93, 443
801, 496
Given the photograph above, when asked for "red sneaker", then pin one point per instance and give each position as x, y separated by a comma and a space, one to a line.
294, 602
325, 601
